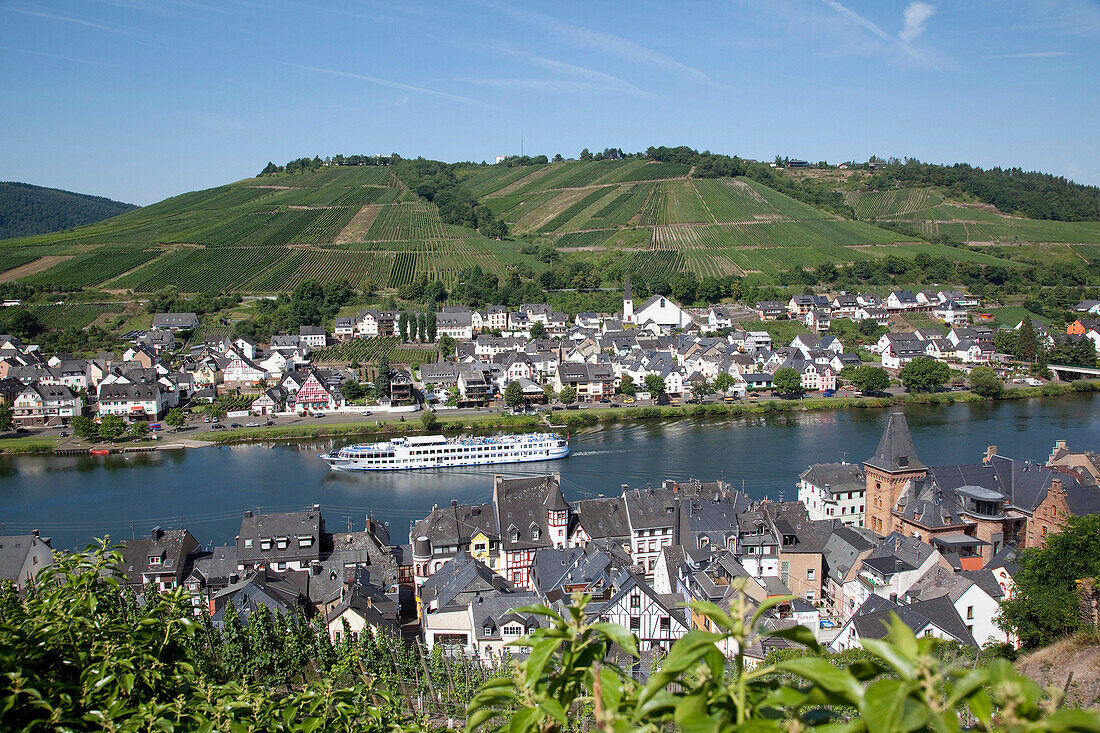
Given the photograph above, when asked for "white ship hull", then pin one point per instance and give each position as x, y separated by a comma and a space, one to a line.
403, 454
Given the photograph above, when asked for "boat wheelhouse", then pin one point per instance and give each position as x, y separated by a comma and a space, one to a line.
437, 451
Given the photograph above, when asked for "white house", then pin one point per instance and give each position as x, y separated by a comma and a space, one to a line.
636, 606
663, 312
132, 401
41, 404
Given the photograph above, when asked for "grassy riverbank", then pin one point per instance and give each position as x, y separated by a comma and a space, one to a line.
576, 418
596, 415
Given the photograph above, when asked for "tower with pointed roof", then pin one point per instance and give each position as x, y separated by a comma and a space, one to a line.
628, 302
888, 470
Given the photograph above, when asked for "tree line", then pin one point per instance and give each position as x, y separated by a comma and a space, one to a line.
1012, 190
436, 182
26, 209
315, 163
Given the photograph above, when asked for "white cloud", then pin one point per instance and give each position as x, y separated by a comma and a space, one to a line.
615, 45
914, 18
397, 85
595, 80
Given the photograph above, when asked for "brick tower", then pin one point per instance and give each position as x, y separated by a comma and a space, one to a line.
894, 463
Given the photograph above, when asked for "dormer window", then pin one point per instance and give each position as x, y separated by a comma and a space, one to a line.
154, 560
515, 535
488, 631
534, 533
265, 544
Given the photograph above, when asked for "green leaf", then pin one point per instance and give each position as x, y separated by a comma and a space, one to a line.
525, 720
553, 709
688, 651
714, 613
691, 715
798, 634
839, 682
887, 708
536, 661
890, 654
619, 636
981, 707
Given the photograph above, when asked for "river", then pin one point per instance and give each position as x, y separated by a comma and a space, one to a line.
75, 498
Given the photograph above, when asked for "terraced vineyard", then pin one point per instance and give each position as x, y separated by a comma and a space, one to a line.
370, 350
92, 268
66, 316
398, 222
871, 205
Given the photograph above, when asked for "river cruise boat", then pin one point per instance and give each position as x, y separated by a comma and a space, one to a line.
437, 451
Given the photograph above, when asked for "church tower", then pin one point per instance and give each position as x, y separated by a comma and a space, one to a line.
628, 303
894, 463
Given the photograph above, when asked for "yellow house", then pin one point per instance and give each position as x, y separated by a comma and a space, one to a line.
481, 549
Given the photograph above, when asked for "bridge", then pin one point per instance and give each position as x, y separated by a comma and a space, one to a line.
1058, 368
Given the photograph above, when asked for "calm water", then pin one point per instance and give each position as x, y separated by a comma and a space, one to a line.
73, 499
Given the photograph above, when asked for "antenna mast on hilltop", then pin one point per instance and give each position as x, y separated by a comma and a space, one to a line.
521, 143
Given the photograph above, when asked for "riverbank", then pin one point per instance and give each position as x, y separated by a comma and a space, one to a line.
596, 415
569, 418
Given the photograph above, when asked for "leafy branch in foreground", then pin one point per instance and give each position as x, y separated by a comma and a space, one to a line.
902, 686
78, 653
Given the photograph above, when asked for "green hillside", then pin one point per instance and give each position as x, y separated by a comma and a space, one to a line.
384, 226
267, 234
26, 209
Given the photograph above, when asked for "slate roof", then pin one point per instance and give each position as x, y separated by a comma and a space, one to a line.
13, 553
588, 566
279, 593
523, 504
456, 524
270, 526
896, 452
460, 580
650, 508
217, 567
1023, 484
871, 618
170, 547
604, 517
837, 476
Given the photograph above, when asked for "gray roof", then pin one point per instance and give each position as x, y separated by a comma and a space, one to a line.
290, 525
872, 617
279, 593
587, 566
175, 320
170, 549
13, 553
523, 504
837, 476
460, 580
604, 517
895, 451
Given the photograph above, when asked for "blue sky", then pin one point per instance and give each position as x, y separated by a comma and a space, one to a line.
143, 99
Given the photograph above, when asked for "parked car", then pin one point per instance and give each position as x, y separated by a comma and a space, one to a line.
367, 413
206, 419
605, 401
64, 434
218, 427
828, 393
236, 425
253, 425
269, 423
318, 414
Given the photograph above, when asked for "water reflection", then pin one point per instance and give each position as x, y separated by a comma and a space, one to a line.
74, 498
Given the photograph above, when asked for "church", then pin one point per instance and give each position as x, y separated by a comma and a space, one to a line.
658, 310
982, 506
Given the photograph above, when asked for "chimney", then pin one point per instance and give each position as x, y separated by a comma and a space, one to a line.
247, 513
1056, 485
156, 534
34, 532
990, 451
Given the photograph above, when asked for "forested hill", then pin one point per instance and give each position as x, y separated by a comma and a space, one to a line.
27, 209
1011, 190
